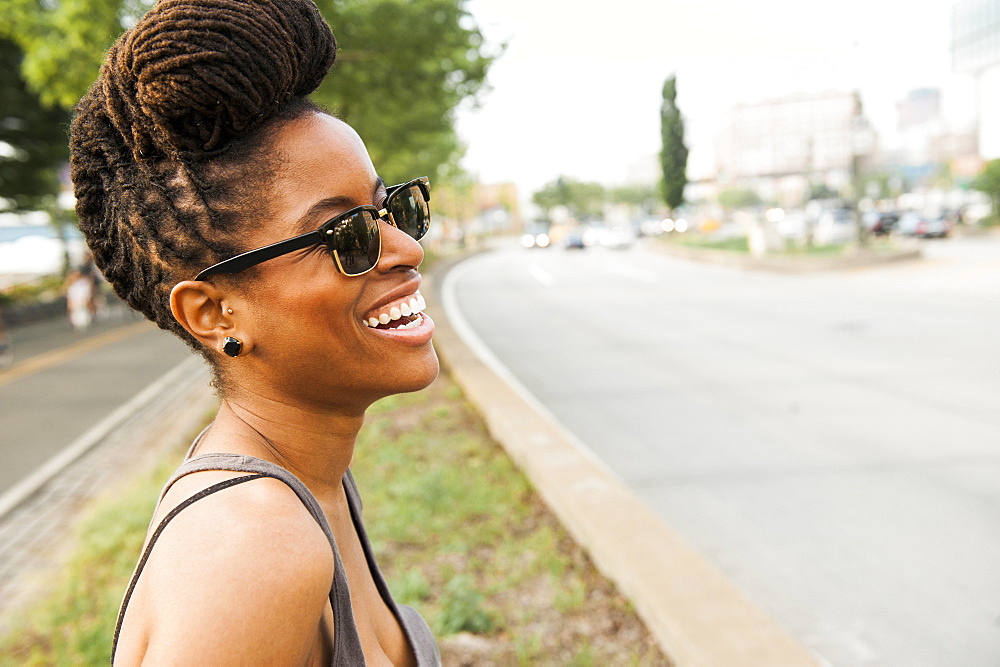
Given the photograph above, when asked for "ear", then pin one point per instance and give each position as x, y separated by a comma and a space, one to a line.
203, 310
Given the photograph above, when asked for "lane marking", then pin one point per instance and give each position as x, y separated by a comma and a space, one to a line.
541, 275
468, 335
45, 360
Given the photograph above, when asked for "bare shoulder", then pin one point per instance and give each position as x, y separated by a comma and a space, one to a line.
240, 576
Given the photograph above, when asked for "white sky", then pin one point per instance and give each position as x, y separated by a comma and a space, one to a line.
578, 90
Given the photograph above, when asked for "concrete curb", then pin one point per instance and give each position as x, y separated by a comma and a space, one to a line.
696, 614
779, 264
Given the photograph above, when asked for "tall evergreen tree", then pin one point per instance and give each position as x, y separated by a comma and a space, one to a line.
674, 154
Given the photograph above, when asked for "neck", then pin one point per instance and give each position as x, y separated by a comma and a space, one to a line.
314, 445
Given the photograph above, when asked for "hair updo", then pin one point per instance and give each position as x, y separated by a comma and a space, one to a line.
162, 142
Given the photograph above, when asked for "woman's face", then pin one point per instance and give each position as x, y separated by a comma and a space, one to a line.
308, 324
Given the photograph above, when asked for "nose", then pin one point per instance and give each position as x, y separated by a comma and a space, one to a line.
399, 249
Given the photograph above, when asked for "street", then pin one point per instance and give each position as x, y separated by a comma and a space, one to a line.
830, 441
63, 383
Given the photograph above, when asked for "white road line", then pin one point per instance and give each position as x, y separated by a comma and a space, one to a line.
468, 335
541, 275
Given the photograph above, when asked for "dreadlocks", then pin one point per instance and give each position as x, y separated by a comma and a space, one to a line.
166, 145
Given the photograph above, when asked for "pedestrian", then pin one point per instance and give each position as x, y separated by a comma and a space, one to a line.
229, 209
79, 296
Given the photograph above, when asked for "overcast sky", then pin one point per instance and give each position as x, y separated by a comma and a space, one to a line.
578, 90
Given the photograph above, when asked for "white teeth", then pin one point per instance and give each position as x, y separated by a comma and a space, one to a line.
404, 309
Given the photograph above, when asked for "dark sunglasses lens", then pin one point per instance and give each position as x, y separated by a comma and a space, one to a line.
354, 241
410, 211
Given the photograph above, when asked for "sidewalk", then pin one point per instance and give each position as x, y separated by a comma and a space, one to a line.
35, 533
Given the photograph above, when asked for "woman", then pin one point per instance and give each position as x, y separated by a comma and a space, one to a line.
230, 210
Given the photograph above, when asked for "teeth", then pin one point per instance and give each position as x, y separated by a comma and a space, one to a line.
403, 309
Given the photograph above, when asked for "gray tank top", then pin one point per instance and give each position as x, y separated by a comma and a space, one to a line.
346, 643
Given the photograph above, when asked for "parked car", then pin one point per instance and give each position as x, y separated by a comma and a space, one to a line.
880, 223
835, 225
918, 226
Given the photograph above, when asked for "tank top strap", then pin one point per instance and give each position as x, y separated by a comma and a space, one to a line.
346, 642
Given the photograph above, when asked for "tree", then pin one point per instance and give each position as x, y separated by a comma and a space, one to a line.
988, 182
673, 154
739, 198
33, 139
583, 200
403, 69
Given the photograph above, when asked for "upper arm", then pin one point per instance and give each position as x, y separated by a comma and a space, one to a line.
239, 577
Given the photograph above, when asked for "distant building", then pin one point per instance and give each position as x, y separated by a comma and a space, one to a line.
975, 50
782, 147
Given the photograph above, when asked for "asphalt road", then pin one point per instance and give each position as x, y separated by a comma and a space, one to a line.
830, 441
62, 383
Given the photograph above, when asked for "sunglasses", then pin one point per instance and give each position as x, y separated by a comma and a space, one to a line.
353, 237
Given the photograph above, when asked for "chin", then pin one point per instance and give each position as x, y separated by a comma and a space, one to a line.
421, 375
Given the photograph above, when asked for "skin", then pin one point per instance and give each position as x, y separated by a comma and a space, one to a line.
243, 576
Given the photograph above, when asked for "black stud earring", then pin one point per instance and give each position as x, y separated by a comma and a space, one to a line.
232, 346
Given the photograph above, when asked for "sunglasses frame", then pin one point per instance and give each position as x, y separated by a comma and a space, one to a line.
250, 258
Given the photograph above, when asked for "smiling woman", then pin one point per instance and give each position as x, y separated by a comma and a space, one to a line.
229, 209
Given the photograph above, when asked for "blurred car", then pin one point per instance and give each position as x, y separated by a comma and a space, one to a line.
574, 241
880, 223
536, 236
617, 238
835, 225
918, 226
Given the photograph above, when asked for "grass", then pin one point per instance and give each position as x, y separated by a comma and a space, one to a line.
45, 288
459, 532
741, 245
75, 623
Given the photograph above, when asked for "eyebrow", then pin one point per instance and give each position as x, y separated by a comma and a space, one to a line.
335, 202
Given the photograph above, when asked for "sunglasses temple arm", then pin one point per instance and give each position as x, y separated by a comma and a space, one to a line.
245, 260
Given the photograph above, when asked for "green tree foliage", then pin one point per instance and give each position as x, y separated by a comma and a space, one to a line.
585, 201
643, 196
33, 139
988, 182
673, 154
739, 198
403, 69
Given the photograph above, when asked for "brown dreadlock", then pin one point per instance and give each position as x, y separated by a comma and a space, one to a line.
166, 145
